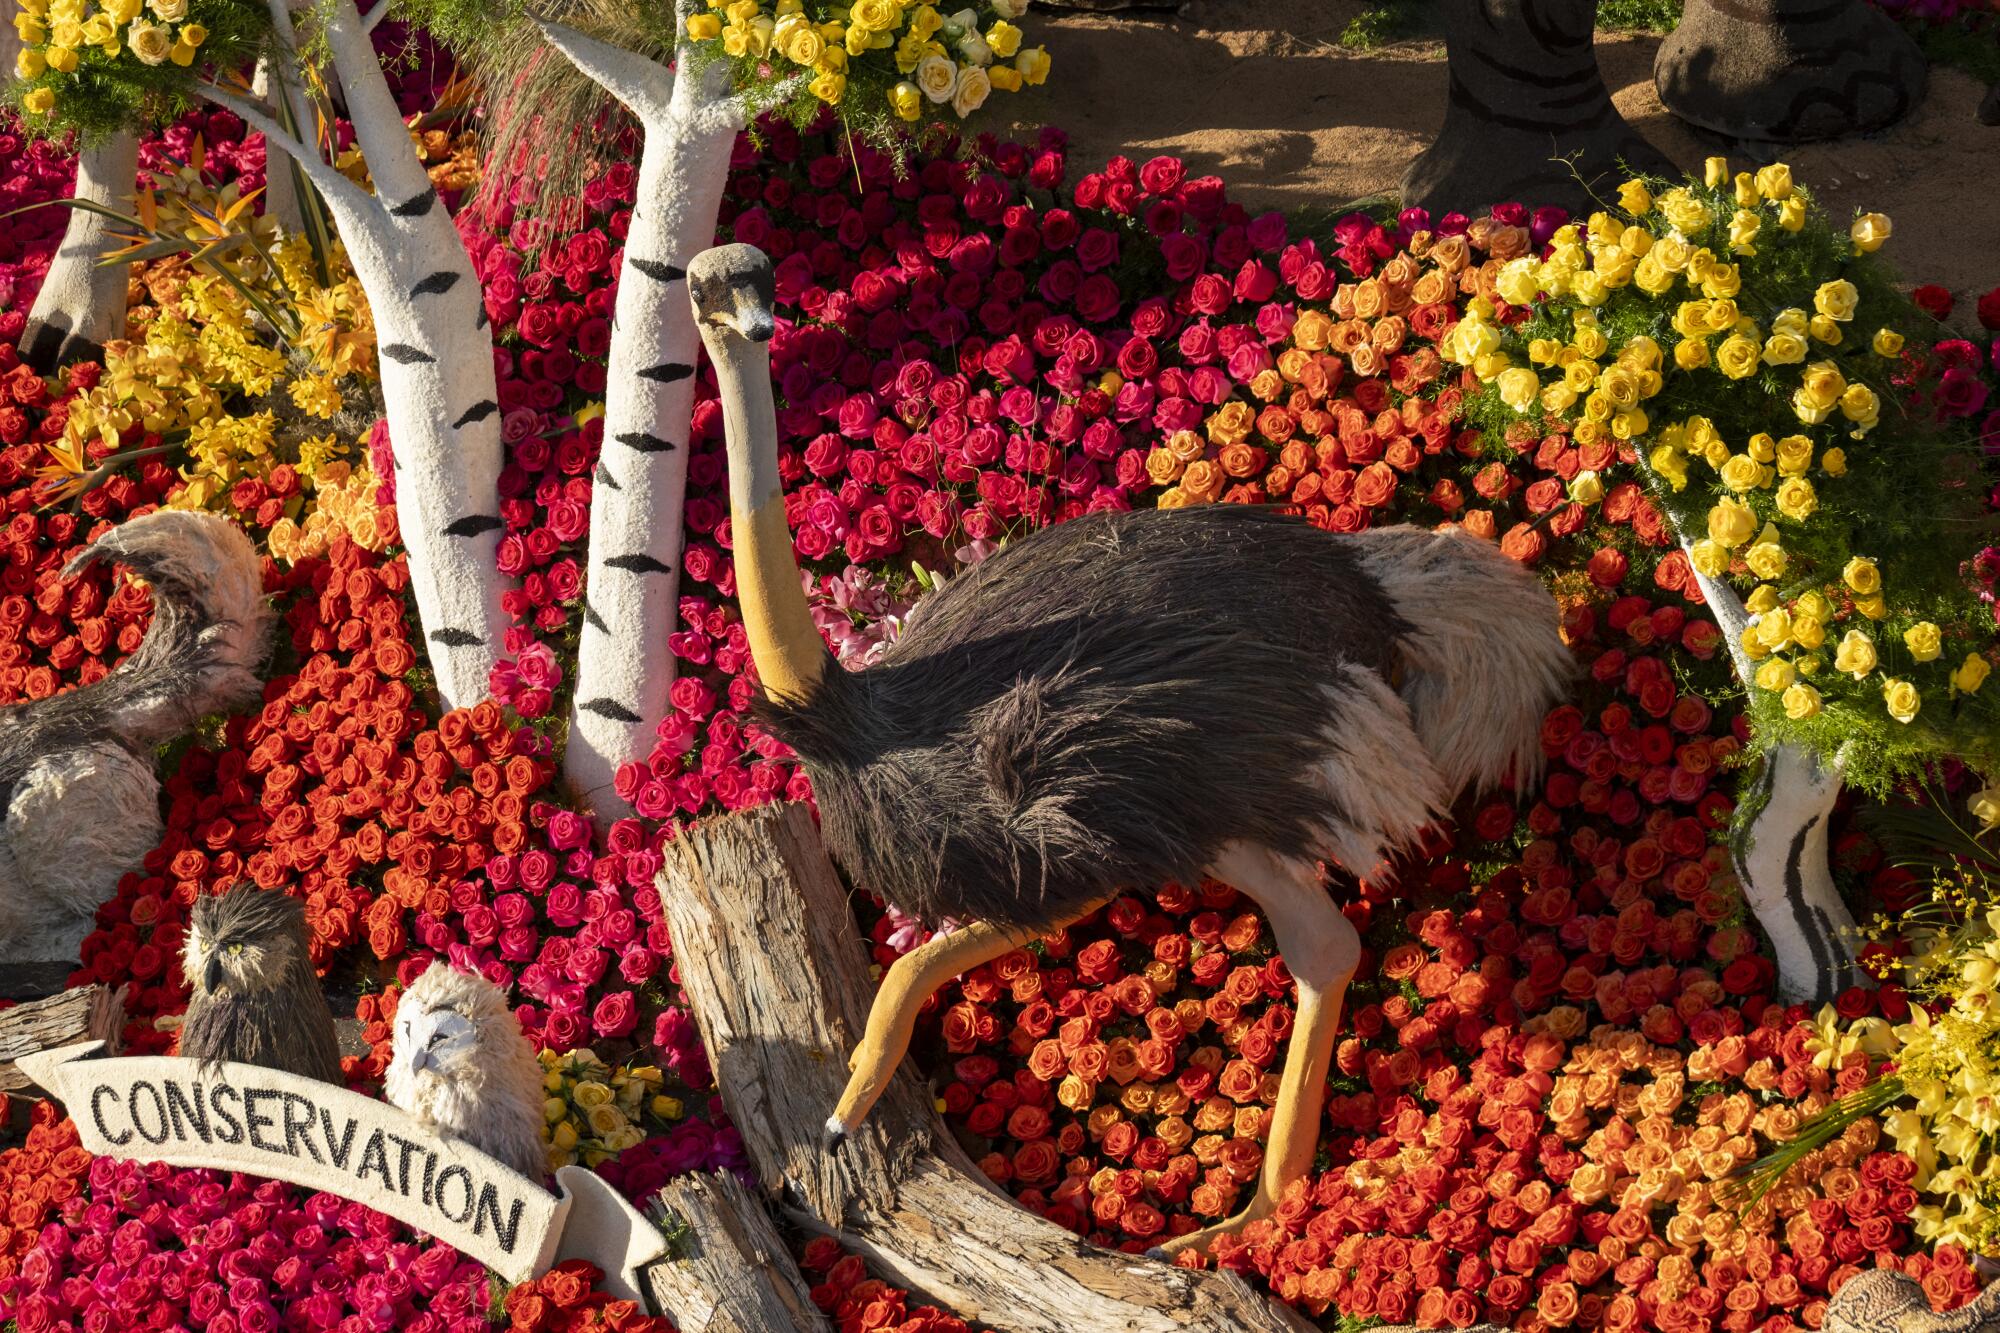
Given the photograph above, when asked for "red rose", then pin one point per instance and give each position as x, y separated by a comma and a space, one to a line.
1933, 300
1989, 309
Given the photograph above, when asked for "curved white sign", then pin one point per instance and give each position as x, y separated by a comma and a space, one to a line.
237, 1117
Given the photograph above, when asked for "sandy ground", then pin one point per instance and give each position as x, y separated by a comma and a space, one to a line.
1260, 93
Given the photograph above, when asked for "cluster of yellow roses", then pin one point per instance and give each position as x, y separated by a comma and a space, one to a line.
593, 1112
55, 33
945, 59
1943, 1092
1605, 391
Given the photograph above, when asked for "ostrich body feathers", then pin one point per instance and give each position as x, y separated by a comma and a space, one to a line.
1106, 703
460, 1063
256, 998
79, 804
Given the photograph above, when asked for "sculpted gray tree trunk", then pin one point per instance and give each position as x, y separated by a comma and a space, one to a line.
81, 305
1528, 117
1790, 71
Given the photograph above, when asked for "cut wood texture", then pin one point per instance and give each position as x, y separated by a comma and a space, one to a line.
88, 1013
731, 1272
771, 963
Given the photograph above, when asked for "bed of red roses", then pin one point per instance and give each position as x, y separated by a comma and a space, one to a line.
1563, 1038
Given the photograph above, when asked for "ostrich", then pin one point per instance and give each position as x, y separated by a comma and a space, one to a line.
1129, 699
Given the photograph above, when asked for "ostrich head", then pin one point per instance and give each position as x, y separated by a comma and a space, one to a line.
244, 942
733, 289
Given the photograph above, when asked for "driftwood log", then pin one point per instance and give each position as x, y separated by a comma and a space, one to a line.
88, 1013
771, 963
731, 1272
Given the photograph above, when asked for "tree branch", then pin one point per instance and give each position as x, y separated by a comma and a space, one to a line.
376, 16
341, 194
644, 86
400, 179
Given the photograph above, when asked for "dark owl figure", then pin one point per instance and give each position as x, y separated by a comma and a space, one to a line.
256, 999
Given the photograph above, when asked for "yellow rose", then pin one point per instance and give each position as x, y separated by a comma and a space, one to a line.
1819, 390
38, 101
877, 15
1801, 701
1687, 213
703, 27
1033, 66
1668, 462
1862, 576
1859, 405
1776, 675
1731, 524
1971, 674
1741, 473
1590, 341
1825, 329
605, 1120
1745, 186
1985, 807
1737, 357
1586, 487
1792, 214
1709, 557
1925, 642
1672, 254
1869, 233
1784, 349
1796, 499
1767, 560
1722, 280
1519, 281
805, 45
829, 87
906, 99
1836, 300
565, 1136
1743, 229
1834, 462
1794, 455
1775, 182
1715, 172
1518, 388
1808, 631
1691, 353
1855, 654
1003, 39
1887, 342
1634, 197
1900, 698
1763, 600
1652, 277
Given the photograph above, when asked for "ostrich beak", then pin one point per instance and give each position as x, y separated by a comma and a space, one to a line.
750, 320
211, 976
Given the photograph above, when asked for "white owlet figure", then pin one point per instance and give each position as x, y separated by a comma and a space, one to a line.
460, 1064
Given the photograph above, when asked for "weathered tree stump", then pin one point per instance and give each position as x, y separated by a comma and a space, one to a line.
88, 1013
730, 1272
771, 965
1528, 117
1789, 71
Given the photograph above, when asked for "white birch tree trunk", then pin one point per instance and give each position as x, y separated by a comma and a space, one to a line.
81, 305
281, 192
436, 359
624, 670
1781, 856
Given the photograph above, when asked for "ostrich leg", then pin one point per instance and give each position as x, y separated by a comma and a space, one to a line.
1321, 950
1525, 91
892, 1018
1781, 856
632, 599
81, 305
1788, 70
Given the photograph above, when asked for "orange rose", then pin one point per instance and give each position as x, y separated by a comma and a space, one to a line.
1451, 253
1240, 1081
1240, 459
1558, 1304
1230, 422
1162, 468
1202, 481
1434, 286
1370, 300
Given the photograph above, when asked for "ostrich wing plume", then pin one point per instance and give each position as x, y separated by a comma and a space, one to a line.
255, 996
460, 1064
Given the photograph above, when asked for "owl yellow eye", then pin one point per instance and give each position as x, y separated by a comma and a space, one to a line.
236, 948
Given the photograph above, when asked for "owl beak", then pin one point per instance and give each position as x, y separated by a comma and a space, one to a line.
212, 976
420, 1061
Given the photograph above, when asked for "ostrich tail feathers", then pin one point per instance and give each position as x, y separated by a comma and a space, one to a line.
211, 627
1484, 655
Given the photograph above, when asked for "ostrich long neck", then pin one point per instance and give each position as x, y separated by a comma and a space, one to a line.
783, 641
